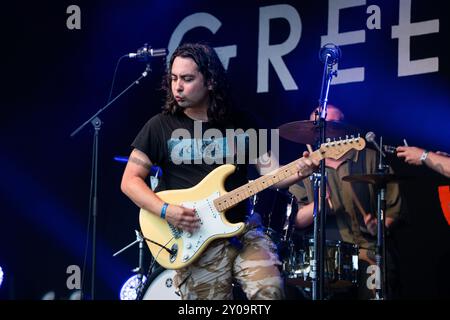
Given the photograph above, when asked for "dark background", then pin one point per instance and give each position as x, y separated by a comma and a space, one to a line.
54, 79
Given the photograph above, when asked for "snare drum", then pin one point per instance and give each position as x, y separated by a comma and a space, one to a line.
341, 264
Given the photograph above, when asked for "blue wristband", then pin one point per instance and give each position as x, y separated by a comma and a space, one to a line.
163, 210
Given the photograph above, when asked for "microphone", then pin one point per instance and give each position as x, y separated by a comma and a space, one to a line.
389, 149
146, 53
332, 51
370, 136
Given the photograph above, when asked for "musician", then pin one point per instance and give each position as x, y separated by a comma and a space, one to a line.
197, 97
351, 207
437, 161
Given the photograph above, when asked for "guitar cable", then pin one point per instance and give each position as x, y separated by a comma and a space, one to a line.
172, 252
140, 289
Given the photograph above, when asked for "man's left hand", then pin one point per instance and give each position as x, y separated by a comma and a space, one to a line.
306, 165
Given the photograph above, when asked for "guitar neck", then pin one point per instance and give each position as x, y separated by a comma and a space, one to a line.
246, 191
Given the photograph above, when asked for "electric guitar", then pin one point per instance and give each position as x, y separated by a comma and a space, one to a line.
174, 248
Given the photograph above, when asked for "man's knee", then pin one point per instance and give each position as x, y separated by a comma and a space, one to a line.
267, 289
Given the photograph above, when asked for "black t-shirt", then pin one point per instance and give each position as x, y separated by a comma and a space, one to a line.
188, 150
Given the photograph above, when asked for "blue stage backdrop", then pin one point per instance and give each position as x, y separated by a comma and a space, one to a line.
59, 58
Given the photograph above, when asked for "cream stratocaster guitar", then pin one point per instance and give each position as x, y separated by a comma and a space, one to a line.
174, 248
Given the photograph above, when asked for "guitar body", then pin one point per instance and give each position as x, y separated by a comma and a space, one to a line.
173, 248
214, 225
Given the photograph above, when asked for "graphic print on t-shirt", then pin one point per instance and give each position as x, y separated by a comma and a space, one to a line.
206, 150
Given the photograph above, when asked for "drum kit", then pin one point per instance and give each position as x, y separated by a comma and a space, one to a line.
277, 210
296, 251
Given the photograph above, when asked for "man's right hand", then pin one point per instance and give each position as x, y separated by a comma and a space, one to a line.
183, 218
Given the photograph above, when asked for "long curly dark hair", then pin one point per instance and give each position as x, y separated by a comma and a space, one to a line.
210, 66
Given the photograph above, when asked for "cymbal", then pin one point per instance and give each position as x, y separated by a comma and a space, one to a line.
375, 178
307, 132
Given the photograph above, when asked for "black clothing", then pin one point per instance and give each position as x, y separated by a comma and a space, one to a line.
187, 150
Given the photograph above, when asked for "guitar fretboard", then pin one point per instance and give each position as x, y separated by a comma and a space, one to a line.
246, 191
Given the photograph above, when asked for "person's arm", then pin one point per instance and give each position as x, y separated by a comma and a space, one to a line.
393, 201
305, 214
134, 186
438, 163
372, 223
435, 161
304, 217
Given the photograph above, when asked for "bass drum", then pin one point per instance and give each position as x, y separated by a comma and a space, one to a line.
160, 286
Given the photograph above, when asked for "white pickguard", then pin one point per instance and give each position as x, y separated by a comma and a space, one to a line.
211, 224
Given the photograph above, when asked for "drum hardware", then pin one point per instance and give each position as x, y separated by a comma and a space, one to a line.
375, 178
140, 269
278, 221
341, 264
390, 149
288, 223
150, 287
380, 180
315, 132
253, 202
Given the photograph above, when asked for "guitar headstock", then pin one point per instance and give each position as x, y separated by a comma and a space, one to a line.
337, 148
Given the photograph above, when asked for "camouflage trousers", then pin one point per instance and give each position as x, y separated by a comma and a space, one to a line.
254, 266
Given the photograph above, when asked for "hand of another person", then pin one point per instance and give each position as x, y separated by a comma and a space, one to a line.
410, 154
183, 218
371, 224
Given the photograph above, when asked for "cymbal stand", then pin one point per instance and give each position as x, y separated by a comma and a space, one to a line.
288, 222
317, 288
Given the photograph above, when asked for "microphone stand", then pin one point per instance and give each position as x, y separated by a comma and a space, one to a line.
380, 257
318, 263
97, 123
